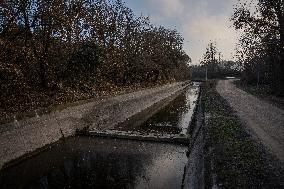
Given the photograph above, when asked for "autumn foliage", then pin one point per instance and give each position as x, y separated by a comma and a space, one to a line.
52, 47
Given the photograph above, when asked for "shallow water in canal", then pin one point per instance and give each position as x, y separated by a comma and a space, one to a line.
83, 162
171, 118
177, 114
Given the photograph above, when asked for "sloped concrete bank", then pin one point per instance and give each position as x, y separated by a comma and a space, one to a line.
194, 175
177, 112
19, 138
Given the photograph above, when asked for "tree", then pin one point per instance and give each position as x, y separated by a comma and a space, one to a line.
263, 39
210, 60
66, 42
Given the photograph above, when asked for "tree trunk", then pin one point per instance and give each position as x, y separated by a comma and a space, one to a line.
43, 78
279, 9
281, 57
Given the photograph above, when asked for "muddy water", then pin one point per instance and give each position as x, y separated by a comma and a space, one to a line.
83, 162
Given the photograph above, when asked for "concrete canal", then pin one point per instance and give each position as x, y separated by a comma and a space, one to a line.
112, 162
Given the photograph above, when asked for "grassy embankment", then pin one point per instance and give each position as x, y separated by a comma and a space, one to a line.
238, 161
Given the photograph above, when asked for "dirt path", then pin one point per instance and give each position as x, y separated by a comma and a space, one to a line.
263, 119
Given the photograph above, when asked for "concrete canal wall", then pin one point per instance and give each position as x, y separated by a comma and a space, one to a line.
19, 138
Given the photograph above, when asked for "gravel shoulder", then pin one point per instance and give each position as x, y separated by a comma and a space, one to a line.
233, 158
262, 92
264, 120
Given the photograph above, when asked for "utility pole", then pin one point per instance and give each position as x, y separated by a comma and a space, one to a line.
258, 78
206, 73
258, 75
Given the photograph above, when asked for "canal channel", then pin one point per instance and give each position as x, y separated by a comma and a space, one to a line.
110, 162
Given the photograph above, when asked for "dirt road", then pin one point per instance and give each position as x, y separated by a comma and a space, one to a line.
264, 120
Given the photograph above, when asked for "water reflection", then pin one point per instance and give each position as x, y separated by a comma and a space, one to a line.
82, 162
100, 163
185, 116
174, 118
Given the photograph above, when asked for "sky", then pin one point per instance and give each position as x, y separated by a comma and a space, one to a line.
199, 22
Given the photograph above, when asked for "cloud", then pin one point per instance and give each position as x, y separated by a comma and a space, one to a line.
167, 8
204, 29
199, 21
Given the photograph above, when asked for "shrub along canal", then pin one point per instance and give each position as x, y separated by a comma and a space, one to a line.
96, 162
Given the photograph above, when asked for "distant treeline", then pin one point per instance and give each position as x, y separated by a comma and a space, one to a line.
55, 44
214, 67
220, 70
261, 47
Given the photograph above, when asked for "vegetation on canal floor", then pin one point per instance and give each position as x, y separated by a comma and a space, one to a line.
238, 161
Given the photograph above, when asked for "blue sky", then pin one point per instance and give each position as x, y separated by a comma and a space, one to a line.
199, 21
